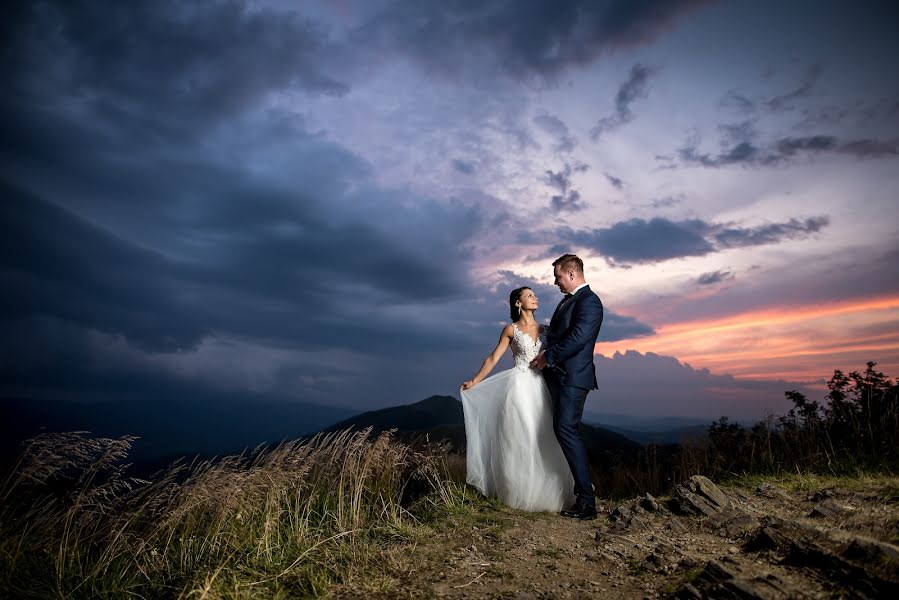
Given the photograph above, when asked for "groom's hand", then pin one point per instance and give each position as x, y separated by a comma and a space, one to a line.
539, 362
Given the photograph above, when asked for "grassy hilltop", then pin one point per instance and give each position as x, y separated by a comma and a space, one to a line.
369, 512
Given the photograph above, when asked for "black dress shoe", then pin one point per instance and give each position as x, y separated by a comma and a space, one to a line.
581, 513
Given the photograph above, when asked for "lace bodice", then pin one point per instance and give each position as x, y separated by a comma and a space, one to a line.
524, 350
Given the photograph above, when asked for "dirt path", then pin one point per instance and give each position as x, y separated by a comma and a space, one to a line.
759, 543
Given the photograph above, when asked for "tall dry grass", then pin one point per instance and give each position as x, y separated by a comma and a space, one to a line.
293, 520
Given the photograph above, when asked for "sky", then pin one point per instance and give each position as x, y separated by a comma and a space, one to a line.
329, 202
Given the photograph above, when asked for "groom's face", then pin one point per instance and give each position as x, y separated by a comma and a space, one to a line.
564, 279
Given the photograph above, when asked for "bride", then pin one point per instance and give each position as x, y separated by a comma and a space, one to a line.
512, 452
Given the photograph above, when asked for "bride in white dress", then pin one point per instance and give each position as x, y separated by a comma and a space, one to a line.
512, 452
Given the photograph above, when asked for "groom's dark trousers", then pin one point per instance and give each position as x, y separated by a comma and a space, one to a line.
570, 374
568, 408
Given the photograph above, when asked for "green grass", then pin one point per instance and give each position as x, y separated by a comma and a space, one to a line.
885, 483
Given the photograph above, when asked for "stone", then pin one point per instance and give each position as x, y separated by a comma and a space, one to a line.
688, 592
649, 503
879, 560
734, 522
826, 508
870, 568
820, 495
772, 491
621, 513
676, 526
767, 538
869, 550
718, 581
777, 533
667, 549
699, 495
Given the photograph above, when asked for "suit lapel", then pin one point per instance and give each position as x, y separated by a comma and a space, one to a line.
566, 302
552, 321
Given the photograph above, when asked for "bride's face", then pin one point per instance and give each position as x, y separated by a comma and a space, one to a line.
528, 300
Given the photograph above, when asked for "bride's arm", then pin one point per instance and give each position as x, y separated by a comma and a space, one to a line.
504, 338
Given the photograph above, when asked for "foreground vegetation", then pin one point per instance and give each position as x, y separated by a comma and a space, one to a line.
291, 521
346, 510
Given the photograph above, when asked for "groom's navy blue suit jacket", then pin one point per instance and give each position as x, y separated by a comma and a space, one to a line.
571, 337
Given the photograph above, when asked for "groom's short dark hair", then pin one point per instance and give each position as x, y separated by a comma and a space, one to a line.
570, 262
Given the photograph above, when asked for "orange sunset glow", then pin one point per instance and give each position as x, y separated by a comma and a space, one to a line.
796, 343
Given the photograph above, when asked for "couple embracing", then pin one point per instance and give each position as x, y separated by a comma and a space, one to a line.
522, 425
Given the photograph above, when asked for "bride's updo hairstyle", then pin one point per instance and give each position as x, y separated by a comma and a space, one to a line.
513, 298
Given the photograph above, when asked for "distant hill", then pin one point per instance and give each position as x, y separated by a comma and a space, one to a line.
441, 418
425, 414
644, 423
438, 417
677, 435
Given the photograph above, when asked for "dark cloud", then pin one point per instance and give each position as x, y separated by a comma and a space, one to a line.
540, 38
615, 182
882, 112
554, 126
782, 151
666, 201
737, 102
155, 204
568, 199
619, 327
638, 240
816, 143
289, 286
780, 103
570, 202
728, 237
463, 166
737, 133
58, 264
636, 87
870, 148
806, 84
659, 239
714, 277
160, 69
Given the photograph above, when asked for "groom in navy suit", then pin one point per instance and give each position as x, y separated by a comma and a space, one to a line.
567, 365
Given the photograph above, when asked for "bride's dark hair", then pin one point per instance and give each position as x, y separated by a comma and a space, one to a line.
513, 298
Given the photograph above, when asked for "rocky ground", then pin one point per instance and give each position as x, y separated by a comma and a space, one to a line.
762, 541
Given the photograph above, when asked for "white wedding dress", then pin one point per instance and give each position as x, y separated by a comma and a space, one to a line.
512, 452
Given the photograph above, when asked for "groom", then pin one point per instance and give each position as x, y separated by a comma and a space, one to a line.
567, 365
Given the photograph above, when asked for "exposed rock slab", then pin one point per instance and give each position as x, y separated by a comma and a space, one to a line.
827, 508
870, 568
733, 522
717, 581
698, 495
